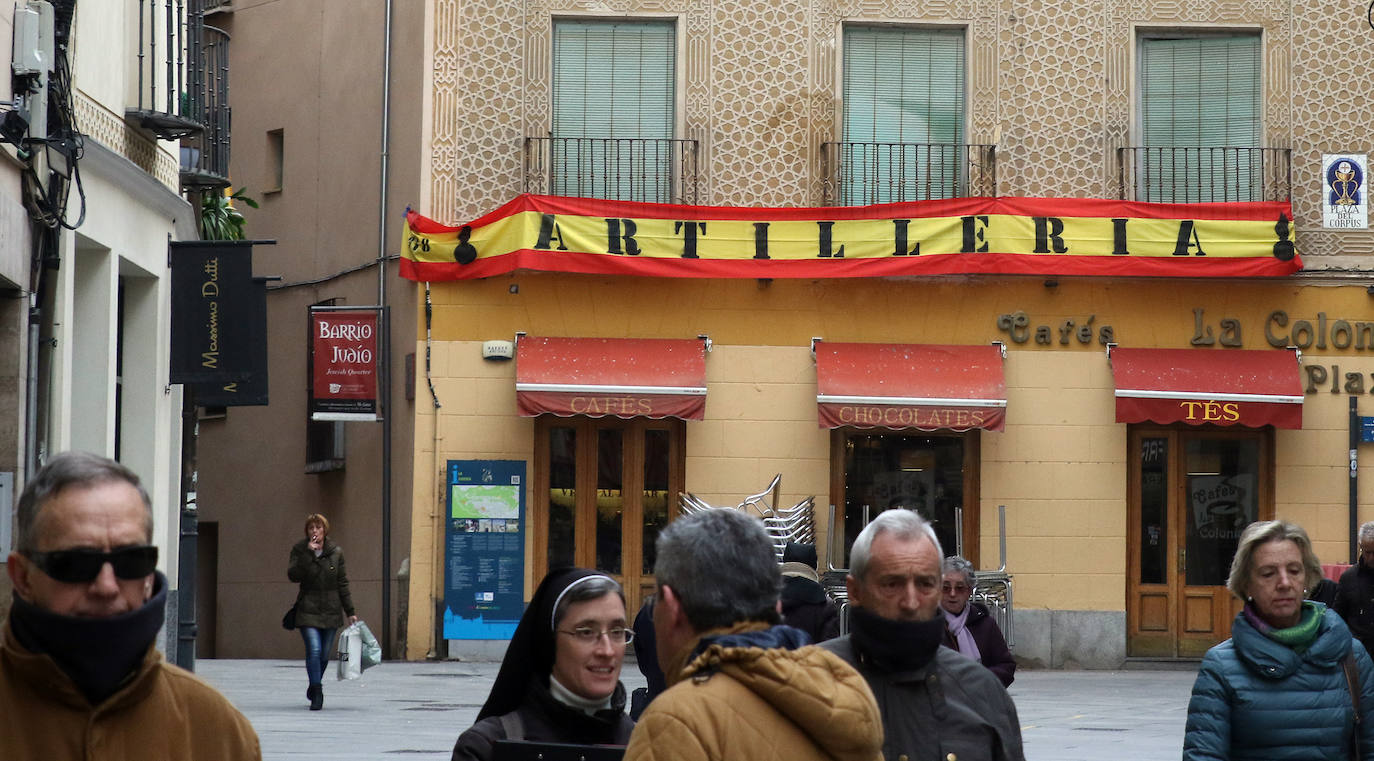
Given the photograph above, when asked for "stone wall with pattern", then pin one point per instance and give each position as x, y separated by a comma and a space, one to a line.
1050, 82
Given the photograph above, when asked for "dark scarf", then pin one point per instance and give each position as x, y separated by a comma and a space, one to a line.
894, 645
575, 725
99, 654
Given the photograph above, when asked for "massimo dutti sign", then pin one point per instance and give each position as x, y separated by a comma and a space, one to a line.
211, 321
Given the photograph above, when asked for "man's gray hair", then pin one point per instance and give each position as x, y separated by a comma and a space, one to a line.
80, 469
722, 567
903, 524
1366, 533
959, 565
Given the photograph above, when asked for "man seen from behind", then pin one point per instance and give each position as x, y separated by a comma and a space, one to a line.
739, 685
936, 704
80, 677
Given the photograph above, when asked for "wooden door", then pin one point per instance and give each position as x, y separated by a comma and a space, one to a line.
1192, 492
603, 488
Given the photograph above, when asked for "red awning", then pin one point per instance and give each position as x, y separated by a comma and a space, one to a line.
927, 387
619, 377
1251, 388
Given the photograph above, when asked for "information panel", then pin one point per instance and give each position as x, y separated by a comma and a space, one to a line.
484, 548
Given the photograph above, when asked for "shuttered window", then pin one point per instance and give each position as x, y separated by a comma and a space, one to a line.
903, 91
613, 109
1200, 117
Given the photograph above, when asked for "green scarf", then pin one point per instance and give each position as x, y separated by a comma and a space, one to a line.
1300, 636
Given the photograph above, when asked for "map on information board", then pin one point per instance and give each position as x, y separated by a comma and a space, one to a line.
478, 501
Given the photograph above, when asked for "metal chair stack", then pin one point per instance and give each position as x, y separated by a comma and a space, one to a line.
792, 524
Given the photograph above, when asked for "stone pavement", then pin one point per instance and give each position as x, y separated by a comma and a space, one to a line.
417, 710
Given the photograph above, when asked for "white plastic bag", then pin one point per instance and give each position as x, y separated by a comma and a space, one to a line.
372, 650
350, 653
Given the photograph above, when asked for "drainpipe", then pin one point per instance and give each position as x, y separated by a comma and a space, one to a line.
384, 388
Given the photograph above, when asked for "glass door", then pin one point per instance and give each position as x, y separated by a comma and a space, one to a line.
603, 488
1192, 492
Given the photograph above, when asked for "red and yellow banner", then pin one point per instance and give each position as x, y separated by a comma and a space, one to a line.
1030, 236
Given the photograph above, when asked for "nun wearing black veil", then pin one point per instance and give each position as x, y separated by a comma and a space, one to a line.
560, 679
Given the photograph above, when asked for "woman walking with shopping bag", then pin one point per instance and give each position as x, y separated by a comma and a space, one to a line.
317, 564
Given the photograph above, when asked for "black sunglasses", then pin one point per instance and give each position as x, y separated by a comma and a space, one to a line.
82, 566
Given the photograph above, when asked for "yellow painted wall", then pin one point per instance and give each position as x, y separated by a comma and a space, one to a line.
1059, 467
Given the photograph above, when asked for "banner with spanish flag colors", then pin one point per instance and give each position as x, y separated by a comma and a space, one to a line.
1021, 236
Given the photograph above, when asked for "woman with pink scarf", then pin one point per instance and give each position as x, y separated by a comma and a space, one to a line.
969, 628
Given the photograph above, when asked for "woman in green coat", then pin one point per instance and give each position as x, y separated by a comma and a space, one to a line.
317, 564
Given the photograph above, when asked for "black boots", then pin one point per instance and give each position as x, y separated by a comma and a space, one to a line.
316, 695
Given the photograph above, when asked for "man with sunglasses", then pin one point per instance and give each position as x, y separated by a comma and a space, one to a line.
80, 676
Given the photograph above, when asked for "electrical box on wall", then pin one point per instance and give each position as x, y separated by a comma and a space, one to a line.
498, 350
33, 39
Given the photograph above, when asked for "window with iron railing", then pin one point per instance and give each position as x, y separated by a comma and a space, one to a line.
616, 168
903, 121
858, 174
612, 128
1201, 123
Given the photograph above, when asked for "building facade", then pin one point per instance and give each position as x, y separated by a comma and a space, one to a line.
86, 233
308, 108
1119, 523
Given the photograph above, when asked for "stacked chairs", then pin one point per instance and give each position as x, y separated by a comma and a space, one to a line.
792, 524
993, 589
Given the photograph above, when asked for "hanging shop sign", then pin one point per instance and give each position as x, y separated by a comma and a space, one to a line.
213, 297
344, 359
484, 549
252, 391
1345, 191
1034, 236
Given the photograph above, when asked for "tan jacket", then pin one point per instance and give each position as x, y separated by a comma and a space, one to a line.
164, 713
760, 704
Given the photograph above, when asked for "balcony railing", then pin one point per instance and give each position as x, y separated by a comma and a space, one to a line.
613, 168
1196, 174
167, 33
205, 155
858, 174
183, 86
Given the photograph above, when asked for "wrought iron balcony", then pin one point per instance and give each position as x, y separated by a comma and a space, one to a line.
164, 104
205, 155
858, 174
183, 86
613, 168
1196, 174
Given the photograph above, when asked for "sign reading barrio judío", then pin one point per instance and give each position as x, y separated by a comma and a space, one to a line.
343, 363
1035, 236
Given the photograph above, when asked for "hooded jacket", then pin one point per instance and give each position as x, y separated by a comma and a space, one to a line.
1256, 698
753, 692
163, 712
324, 598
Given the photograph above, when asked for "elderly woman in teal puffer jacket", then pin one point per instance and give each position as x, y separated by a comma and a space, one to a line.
1278, 689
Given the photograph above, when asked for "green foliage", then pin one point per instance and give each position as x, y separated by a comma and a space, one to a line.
219, 220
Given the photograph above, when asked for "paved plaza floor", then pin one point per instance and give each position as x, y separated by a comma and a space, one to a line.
416, 710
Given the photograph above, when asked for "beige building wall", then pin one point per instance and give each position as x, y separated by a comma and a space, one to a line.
313, 74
